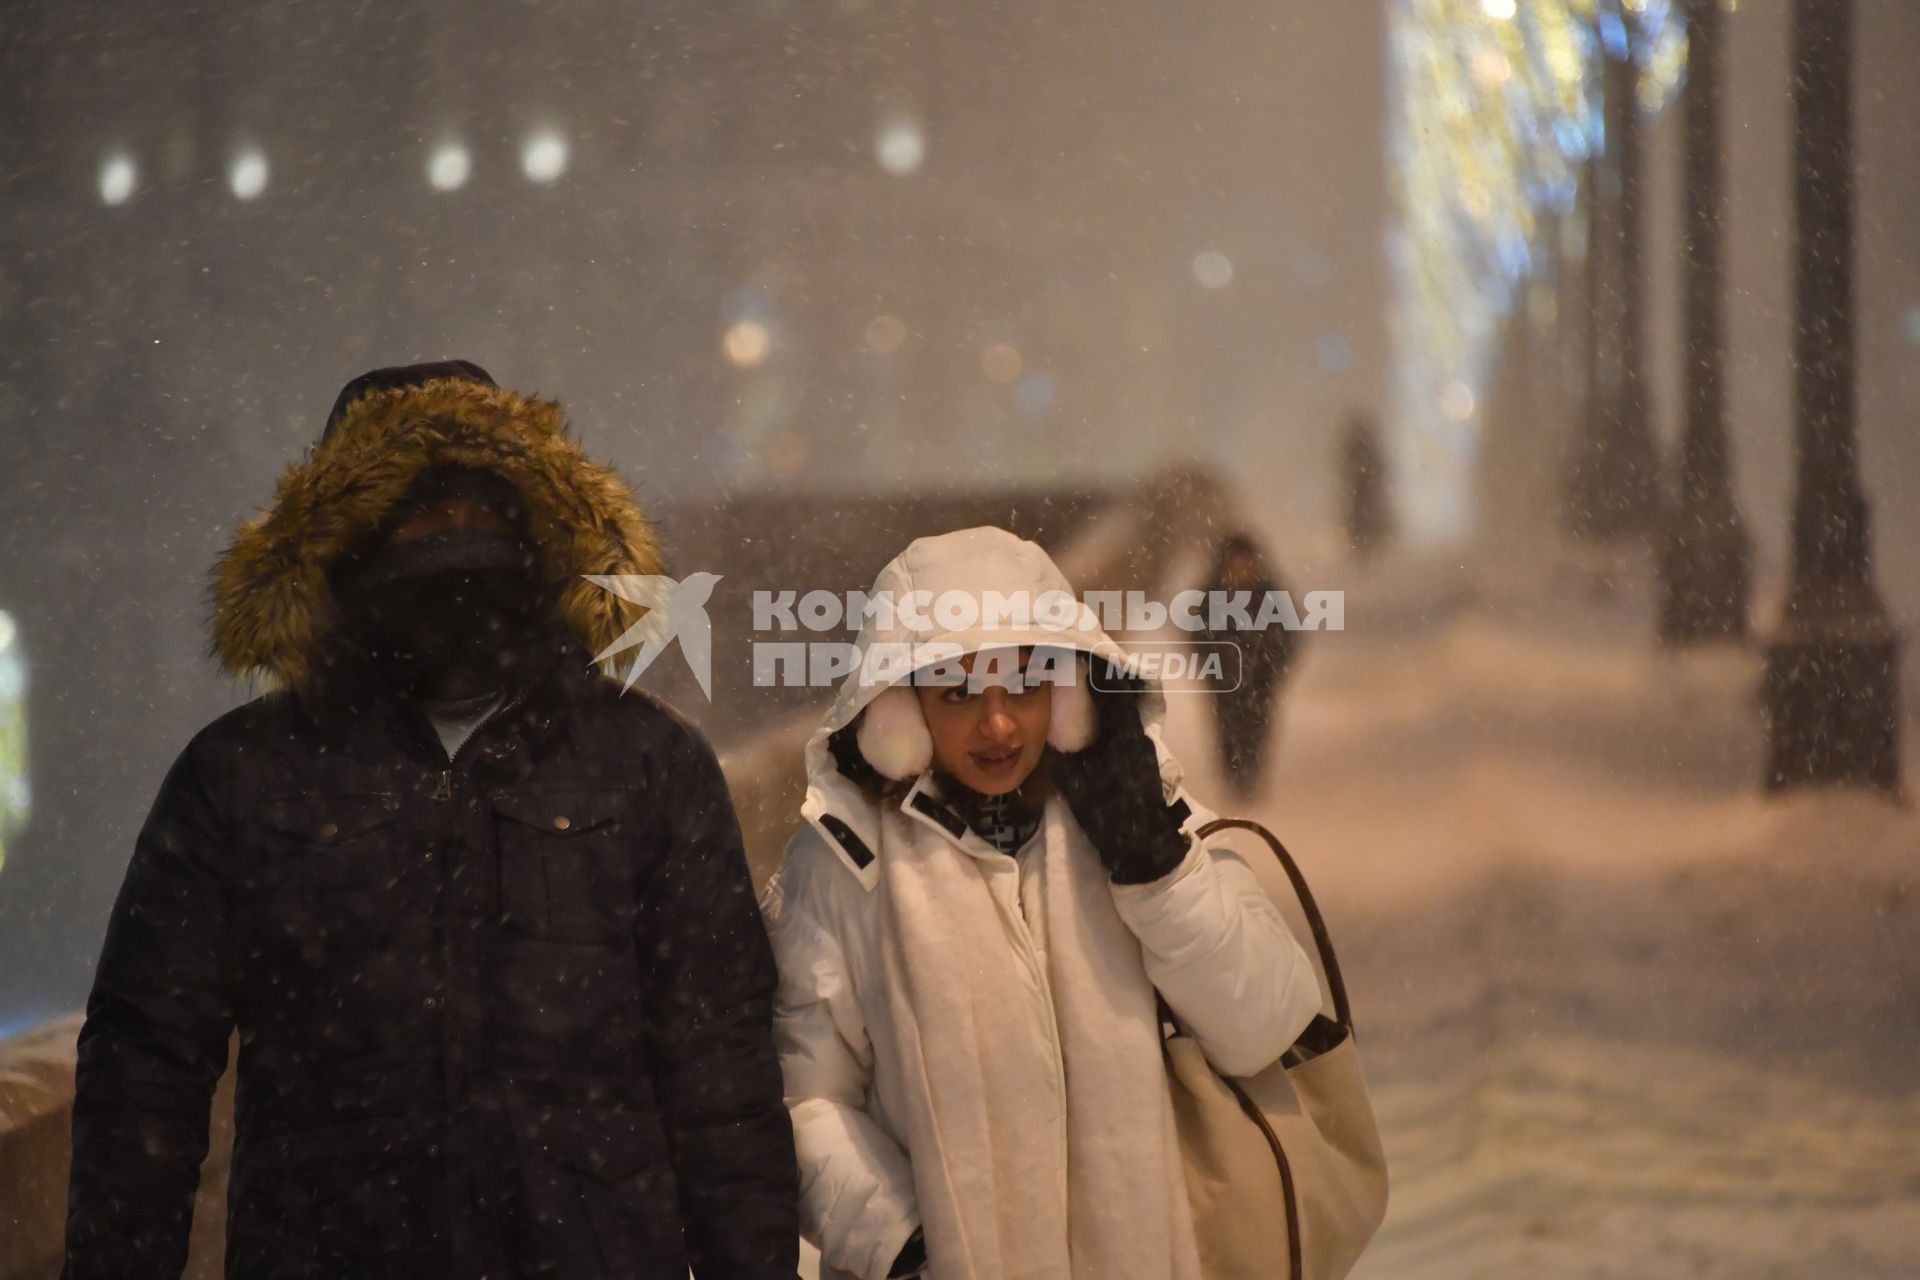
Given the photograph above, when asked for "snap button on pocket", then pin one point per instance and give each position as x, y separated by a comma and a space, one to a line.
329, 820
562, 862
326, 842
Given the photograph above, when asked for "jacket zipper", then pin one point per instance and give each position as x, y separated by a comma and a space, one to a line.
444, 789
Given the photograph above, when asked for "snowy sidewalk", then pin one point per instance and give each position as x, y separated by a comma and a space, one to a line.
1622, 1016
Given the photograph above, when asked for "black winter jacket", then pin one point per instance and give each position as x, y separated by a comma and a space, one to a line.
503, 1016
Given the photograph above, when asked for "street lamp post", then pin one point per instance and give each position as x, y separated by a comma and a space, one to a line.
1831, 690
1613, 487
1703, 550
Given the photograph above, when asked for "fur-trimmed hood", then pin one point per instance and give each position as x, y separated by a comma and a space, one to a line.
272, 606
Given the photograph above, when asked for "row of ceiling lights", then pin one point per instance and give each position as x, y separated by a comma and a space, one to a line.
543, 159
899, 147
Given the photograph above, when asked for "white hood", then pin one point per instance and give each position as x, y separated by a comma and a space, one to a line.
981, 563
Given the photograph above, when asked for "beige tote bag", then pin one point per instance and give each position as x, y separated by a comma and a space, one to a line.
1284, 1168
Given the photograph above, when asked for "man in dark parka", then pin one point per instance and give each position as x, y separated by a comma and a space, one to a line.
503, 1000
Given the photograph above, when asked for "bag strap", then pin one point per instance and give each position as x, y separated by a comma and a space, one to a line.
1322, 940
1343, 1014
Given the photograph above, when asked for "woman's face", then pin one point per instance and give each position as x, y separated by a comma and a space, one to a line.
989, 733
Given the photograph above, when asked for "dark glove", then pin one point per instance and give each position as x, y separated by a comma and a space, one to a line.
913, 1255
1113, 788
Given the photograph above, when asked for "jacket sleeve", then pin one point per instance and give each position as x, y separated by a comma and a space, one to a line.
154, 1042
1221, 953
857, 1203
710, 1055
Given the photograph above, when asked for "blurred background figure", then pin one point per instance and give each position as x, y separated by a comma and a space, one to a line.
1363, 487
1247, 691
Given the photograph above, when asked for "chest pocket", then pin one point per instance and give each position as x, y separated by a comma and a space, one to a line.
565, 863
329, 843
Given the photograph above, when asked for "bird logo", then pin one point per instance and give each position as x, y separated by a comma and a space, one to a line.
676, 609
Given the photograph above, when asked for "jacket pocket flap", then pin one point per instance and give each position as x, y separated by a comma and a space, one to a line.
561, 813
328, 820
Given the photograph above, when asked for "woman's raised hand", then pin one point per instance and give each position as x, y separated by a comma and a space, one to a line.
1113, 789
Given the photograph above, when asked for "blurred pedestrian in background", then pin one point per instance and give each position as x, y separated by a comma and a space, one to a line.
1363, 487
1247, 687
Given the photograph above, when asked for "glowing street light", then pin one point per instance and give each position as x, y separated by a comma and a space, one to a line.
1212, 269
118, 178
248, 177
746, 343
901, 147
449, 167
544, 157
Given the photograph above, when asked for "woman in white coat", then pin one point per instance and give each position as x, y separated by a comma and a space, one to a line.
993, 880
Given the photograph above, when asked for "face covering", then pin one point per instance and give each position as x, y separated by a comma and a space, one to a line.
444, 617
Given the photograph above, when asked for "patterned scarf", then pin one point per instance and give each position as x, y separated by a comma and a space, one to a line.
1005, 821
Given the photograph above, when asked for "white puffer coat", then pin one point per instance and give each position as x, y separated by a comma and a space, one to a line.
1208, 939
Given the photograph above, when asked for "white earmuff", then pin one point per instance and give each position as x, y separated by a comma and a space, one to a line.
893, 734
1071, 724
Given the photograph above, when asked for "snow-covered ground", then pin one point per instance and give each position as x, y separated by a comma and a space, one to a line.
1622, 1015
